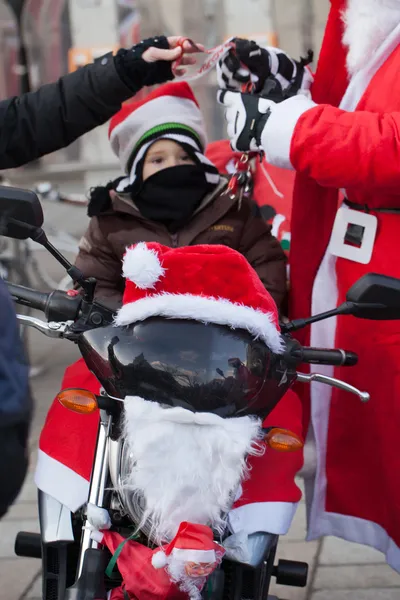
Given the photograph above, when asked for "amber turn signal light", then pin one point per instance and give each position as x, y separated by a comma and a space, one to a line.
283, 440
79, 401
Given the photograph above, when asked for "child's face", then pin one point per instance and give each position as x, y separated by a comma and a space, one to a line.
162, 155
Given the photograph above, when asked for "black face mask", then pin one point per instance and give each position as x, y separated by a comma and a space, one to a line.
172, 195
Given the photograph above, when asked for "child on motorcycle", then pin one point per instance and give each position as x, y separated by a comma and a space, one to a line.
171, 194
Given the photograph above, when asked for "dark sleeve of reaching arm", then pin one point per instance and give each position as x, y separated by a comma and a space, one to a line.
56, 114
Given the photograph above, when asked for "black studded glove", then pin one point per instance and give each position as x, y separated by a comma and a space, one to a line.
249, 63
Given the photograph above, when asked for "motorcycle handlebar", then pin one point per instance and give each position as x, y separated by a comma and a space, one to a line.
56, 305
322, 356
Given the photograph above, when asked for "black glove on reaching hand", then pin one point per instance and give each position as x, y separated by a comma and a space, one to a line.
136, 72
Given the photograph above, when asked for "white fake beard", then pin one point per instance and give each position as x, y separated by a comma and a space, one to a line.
367, 24
186, 471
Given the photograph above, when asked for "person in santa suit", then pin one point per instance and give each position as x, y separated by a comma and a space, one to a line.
341, 134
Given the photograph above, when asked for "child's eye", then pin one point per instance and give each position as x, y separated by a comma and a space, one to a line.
185, 157
157, 160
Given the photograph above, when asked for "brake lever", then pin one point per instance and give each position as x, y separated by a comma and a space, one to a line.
333, 382
53, 329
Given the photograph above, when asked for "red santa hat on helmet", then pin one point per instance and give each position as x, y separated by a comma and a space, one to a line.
211, 284
169, 112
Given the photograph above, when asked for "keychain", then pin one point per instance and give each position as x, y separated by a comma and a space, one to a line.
242, 180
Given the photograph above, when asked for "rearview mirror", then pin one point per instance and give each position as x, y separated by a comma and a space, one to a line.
20, 212
379, 290
374, 297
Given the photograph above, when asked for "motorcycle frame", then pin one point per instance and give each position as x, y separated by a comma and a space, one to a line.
98, 482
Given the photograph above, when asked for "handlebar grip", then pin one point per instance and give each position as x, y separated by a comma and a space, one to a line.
28, 297
57, 305
325, 356
63, 307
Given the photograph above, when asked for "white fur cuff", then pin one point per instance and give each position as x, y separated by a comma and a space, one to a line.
277, 136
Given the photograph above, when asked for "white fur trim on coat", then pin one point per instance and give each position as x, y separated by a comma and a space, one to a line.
60, 482
276, 139
268, 517
206, 310
368, 23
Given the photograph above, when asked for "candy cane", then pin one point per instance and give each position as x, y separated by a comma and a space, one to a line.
213, 55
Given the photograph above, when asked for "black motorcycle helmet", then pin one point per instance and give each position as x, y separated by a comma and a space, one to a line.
199, 367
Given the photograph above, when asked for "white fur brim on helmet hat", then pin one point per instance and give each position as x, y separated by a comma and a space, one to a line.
210, 284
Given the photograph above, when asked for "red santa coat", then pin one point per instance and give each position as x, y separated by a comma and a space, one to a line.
356, 147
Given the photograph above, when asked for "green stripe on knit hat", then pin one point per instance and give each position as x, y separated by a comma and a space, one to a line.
164, 128
159, 130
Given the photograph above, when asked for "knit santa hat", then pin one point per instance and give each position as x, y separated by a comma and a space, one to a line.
211, 284
169, 112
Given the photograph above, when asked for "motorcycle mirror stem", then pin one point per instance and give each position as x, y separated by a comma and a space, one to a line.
38, 235
347, 308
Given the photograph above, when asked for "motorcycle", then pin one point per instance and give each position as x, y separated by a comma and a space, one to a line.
73, 562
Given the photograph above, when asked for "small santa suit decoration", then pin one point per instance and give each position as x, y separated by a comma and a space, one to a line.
190, 557
177, 571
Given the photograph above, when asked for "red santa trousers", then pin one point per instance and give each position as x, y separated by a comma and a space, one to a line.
357, 488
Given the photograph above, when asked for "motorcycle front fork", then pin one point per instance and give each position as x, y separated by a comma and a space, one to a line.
97, 484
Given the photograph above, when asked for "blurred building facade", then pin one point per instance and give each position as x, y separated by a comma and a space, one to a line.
63, 34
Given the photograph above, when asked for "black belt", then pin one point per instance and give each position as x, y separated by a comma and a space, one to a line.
365, 208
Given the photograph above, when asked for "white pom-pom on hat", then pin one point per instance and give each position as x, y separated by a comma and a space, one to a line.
142, 266
159, 560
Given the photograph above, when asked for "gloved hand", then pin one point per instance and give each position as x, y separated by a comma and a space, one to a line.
150, 62
251, 63
247, 115
255, 123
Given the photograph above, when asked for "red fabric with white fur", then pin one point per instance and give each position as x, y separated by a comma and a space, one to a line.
70, 440
213, 284
357, 493
214, 271
141, 579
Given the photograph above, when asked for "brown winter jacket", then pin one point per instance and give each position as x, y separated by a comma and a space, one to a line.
218, 220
